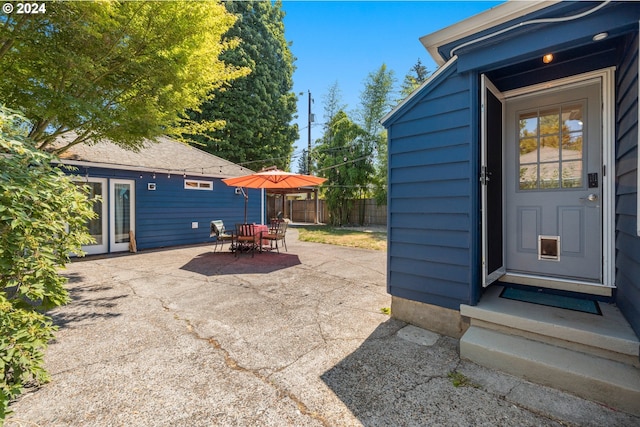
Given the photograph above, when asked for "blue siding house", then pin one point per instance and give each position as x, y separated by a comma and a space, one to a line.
515, 166
165, 194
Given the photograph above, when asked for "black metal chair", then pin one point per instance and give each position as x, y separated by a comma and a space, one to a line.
277, 232
246, 239
221, 235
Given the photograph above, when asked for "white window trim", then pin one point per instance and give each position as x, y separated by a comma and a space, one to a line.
113, 246
199, 185
104, 247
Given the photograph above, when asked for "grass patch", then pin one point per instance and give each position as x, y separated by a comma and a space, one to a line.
460, 380
343, 237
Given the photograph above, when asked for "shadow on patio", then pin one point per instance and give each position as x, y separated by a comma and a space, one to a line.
85, 306
221, 263
391, 381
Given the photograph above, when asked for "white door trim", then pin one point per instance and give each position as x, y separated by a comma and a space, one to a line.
104, 247
113, 246
606, 77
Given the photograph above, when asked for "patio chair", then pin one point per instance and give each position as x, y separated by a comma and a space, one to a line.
246, 239
277, 232
221, 235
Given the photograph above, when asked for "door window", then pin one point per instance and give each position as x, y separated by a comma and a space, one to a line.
97, 226
550, 143
122, 212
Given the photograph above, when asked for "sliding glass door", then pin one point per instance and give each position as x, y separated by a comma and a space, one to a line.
122, 218
97, 226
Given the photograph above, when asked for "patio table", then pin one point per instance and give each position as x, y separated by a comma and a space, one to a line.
258, 229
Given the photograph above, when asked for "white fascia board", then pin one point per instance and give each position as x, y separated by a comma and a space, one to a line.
86, 164
493, 17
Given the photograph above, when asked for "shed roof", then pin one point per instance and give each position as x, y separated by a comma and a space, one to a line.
164, 155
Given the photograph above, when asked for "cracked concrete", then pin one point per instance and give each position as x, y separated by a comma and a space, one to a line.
187, 337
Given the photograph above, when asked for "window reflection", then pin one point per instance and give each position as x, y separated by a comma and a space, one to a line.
551, 148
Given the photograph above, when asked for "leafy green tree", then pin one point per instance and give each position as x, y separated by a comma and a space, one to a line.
375, 102
43, 218
332, 106
346, 160
333, 103
417, 75
121, 70
258, 109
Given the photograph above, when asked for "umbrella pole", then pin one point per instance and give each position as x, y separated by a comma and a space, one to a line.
246, 200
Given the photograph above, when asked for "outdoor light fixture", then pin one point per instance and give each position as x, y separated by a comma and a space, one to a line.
600, 36
547, 58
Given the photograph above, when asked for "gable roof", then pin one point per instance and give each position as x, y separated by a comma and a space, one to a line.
491, 18
496, 35
409, 100
164, 155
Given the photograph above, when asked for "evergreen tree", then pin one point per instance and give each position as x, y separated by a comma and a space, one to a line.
258, 108
416, 76
303, 165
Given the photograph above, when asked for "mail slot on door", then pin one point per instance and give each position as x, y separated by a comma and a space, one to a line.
593, 180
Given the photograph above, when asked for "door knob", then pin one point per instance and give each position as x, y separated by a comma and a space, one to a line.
591, 197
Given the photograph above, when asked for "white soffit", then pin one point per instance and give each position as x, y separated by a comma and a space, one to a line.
493, 17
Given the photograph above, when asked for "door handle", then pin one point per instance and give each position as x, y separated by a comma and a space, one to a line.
591, 197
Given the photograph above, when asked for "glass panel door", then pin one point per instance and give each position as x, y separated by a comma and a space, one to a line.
122, 214
98, 226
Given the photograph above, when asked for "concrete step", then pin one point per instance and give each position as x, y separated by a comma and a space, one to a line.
607, 336
589, 376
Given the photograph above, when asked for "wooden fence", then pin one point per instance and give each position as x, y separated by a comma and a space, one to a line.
364, 211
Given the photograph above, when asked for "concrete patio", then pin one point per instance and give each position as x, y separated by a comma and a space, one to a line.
188, 337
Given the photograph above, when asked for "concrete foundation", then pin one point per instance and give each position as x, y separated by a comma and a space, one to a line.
434, 318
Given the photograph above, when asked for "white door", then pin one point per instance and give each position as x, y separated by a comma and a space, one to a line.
122, 213
553, 181
98, 226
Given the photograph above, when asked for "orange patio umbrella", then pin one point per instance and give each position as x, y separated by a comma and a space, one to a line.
272, 178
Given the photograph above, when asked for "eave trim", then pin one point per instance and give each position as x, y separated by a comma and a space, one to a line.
413, 94
493, 17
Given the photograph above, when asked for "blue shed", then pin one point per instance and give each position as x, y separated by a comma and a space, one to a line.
515, 167
166, 194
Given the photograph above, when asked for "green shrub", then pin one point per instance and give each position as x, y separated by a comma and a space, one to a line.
43, 217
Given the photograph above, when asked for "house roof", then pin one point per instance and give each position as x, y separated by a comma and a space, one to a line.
491, 18
164, 155
467, 42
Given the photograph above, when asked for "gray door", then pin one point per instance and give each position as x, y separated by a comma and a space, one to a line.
553, 179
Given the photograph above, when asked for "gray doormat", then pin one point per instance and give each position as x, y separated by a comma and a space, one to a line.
542, 297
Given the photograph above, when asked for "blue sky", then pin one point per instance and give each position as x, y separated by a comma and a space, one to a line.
344, 41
